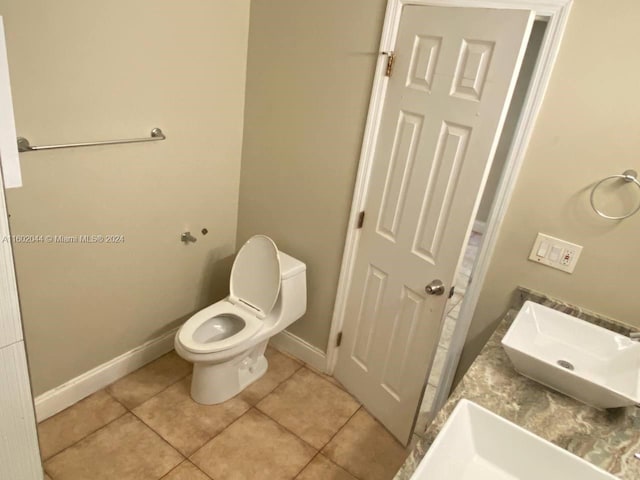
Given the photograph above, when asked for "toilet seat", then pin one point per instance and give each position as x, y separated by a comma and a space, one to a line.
255, 276
254, 288
186, 334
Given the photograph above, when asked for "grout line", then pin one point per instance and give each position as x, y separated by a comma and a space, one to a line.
335, 435
298, 436
340, 429
186, 460
46, 473
184, 457
161, 438
127, 410
251, 406
287, 429
323, 375
303, 365
385, 428
112, 397
300, 366
341, 467
83, 438
146, 400
286, 354
254, 407
306, 465
284, 380
217, 435
260, 412
174, 468
327, 443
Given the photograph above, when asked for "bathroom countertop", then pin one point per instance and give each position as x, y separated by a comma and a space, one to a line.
607, 439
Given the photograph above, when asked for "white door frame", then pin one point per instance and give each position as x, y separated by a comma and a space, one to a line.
556, 13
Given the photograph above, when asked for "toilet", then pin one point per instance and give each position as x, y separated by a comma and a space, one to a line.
226, 341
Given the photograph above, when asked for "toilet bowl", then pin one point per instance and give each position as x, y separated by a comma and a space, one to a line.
226, 341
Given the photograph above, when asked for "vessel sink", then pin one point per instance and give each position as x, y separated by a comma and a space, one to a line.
476, 444
589, 363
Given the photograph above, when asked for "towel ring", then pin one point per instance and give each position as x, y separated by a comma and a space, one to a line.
627, 176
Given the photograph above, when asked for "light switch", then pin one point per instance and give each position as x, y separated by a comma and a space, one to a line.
555, 253
543, 249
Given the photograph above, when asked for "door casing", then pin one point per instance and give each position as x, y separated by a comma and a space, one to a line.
555, 13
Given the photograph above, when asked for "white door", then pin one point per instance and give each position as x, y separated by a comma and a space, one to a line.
454, 72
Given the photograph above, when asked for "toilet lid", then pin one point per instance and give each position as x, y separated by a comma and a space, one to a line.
255, 276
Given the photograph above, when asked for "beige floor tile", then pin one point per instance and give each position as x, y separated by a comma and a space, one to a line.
254, 447
186, 471
126, 449
321, 468
328, 378
154, 377
310, 407
76, 422
280, 368
185, 424
365, 449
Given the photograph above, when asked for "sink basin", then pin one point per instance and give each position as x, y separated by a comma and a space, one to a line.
589, 363
476, 444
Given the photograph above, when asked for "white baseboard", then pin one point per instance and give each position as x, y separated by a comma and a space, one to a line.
59, 398
299, 348
479, 226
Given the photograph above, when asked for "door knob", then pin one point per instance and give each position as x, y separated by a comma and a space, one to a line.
435, 288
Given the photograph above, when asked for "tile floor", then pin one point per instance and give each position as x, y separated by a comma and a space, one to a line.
463, 278
292, 423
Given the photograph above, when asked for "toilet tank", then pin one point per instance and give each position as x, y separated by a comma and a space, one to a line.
292, 301
290, 266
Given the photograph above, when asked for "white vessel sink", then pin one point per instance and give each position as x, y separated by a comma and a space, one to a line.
476, 444
589, 363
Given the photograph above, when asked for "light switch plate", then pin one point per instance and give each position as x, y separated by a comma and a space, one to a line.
555, 253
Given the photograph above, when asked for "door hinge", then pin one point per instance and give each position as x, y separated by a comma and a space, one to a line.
339, 339
452, 291
360, 219
391, 56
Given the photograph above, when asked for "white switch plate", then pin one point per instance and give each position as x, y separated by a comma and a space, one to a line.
555, 253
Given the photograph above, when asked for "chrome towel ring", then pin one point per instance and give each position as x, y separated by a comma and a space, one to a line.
627, 176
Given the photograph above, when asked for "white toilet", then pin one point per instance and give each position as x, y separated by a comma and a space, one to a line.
226, 341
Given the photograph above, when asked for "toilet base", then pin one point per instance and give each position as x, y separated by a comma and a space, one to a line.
217, 383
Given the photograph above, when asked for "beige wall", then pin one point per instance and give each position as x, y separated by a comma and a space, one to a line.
309, 76
587, 130
307, 95
84, 70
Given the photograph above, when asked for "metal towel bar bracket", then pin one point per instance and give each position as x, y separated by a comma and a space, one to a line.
628, 176
25, 146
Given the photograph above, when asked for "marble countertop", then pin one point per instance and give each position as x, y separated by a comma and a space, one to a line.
607, 439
